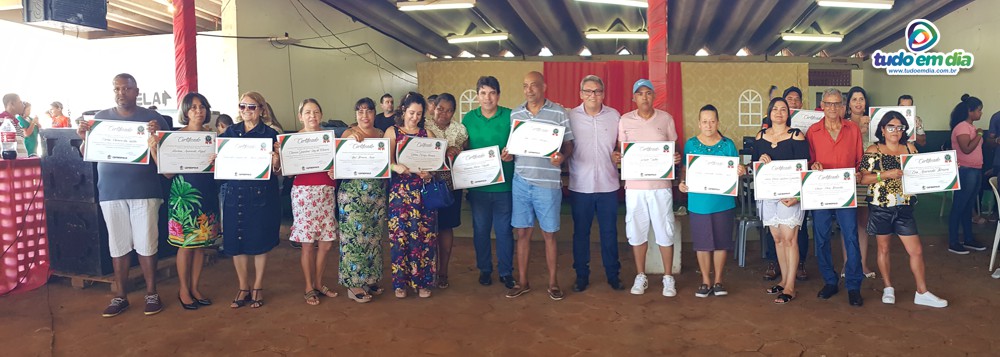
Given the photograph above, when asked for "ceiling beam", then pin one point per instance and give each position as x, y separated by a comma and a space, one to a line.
158, 12
498, 13
738, 29
767, 36
393, 23
705, 14
117, 16
547, 19
883, 25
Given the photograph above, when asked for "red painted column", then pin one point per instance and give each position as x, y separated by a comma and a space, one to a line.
656, 50
185, 51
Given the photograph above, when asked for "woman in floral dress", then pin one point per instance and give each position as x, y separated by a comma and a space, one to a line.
361, 213
193, 210
412, 235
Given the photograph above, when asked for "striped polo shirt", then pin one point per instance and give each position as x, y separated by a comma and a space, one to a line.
539, 171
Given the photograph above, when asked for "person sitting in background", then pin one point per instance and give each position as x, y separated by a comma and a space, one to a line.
56, 113
891, 209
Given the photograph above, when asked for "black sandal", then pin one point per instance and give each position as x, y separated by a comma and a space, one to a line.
783, 299
256, 302
237, 302
777, 289
442, 282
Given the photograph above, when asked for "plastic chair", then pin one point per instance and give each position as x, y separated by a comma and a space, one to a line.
996, 237
746, 219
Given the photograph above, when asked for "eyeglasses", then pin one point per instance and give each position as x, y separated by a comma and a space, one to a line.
894, 128
590, 92
250, 107
833, 104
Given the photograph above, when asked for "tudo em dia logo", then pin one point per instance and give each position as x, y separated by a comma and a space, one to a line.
920, 37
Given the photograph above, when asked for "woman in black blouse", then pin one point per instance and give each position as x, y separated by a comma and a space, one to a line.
782, 216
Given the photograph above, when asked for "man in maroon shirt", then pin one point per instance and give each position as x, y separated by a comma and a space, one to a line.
835, 143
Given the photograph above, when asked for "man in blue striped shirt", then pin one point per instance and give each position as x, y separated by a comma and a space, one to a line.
537, 186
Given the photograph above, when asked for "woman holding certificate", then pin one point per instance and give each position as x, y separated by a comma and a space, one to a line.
412, 239
891, 210
361, 208
251, 211
451, 216
194, 207
713, 214
314, 222
783, 217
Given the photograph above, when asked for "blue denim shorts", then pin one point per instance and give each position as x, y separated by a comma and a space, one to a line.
532, 202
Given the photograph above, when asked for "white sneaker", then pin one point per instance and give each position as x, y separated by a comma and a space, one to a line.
668, 286
889, 296
640, 284
928, 299
996, 274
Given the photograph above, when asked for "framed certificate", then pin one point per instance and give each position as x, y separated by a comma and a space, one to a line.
930, 172
366, 159
877, 113
422, 154
305, 153
828, 189
243, 158
181, 152
716, 175
648, 160
477, 168
114, 141
528, 138
803, 119
778, 179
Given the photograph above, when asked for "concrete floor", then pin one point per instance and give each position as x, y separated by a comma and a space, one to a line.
471, 320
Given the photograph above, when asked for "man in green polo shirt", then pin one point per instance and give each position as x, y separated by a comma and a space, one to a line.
489, 125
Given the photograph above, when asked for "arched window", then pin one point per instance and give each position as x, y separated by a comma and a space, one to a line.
751, 108
466, 103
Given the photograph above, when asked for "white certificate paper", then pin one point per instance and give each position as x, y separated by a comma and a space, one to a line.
803, 119
477, 168
243, 158
181, 152
305, 153
829, 189
366, 159
528, 138
716, 175
877, 113
422, 154
930, 172
114, 141
778, 179
648, 160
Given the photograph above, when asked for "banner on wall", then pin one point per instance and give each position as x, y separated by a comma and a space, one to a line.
920, 37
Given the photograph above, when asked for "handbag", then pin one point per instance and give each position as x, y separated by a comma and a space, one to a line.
435, 195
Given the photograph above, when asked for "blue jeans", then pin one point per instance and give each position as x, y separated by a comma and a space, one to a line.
771, 254
584, 206
962, 203
847, 219
492, 210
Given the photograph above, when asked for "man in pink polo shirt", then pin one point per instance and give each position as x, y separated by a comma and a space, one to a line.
835, 143
648, 203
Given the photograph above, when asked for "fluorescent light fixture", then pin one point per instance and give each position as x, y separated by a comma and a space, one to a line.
431, 56
806, 37
702, 52
858, 4
586, 52
624, 52
545, 52
616, 35
742, 52
434, 5
447, 56
508, 54
485, 55
466, 54
499, 36
636, 3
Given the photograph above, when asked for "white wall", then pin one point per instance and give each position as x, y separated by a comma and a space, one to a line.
78, 72
286, 76
972, 28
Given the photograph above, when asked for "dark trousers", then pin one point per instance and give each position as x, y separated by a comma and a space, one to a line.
847, 219
962, 203
584, 207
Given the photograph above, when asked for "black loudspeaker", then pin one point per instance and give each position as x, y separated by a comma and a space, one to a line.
78, 238
81, 15
64, 173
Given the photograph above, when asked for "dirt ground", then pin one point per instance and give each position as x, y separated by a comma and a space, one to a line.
472, 320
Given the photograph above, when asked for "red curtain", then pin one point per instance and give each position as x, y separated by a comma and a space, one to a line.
185, 54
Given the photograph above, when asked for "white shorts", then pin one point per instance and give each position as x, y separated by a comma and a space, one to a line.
773, 213
132, 224
645, 208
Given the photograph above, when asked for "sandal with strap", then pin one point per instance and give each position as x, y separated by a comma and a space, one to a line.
361, 297
375, 289
400, 293
784, 299
312, 297
777, 289
238, 302
442, 282
424, 293
327, 292
256, 301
